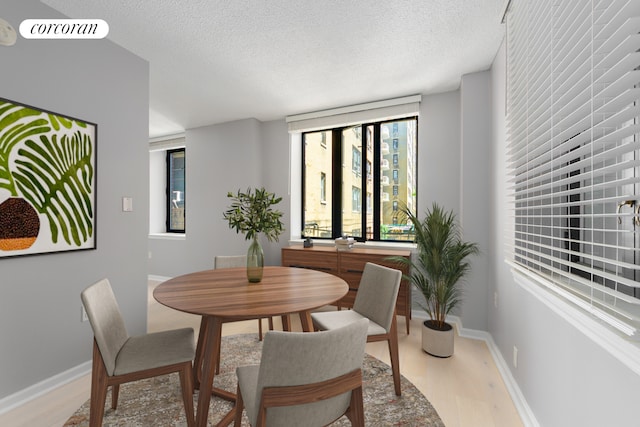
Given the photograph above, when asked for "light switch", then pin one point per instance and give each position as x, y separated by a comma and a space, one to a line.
127, 204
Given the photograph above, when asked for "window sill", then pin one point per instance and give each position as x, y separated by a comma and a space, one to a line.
613, 341
370, 245
168, 236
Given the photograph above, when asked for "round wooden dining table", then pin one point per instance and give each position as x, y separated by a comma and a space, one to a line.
225, 295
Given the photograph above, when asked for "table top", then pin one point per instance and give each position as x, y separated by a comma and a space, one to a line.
228, 294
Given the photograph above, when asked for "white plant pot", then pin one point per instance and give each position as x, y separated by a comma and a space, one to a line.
436, 342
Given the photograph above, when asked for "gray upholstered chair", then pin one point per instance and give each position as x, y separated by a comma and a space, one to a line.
119, 358
375, 301
305, 379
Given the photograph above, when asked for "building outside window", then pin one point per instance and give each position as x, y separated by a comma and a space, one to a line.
176, 194
341, 209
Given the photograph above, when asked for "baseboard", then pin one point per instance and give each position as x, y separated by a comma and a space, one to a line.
158, 278
43, 387
523, 408
36, 390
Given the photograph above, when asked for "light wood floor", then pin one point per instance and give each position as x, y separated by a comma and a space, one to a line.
466, 389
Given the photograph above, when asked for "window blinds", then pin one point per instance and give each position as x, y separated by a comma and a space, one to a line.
573, 117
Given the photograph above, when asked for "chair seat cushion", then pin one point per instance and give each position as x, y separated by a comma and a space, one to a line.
328, 320
248, 380
155, 350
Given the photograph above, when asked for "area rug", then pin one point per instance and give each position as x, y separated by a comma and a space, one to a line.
158, 401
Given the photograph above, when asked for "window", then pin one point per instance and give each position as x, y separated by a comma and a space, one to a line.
356, 161
323, 187
573, 113
356, 203
175, 190
365, 145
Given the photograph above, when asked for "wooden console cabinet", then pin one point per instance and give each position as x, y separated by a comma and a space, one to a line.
349, 266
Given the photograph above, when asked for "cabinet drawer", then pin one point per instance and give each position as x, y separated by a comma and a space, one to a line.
321, 261
354, 262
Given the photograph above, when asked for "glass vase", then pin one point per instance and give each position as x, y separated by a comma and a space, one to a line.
255, 261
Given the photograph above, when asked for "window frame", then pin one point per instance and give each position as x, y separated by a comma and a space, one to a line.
373, 172
168, 197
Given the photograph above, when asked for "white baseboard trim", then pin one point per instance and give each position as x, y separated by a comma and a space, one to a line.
523, 408
36, 390
158, 278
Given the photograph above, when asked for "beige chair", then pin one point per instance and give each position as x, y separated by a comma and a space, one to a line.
375, 301
305, 379
119, 358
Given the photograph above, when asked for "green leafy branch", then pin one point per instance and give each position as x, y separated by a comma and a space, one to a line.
251, 213
15, 126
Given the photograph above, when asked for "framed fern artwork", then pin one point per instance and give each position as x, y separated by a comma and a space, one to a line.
47, 181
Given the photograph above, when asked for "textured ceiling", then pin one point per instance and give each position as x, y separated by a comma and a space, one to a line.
215, 61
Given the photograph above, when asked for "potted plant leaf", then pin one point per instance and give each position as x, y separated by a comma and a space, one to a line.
440, 265
252, 213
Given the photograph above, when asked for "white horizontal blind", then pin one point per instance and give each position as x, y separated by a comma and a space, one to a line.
573, 114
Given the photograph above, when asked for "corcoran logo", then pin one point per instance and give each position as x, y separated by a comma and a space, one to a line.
64, 29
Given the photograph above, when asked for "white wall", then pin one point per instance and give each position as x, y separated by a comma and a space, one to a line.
40, 330
566, 377
222, 158
275, 177
439, 151
475, 191
245, 153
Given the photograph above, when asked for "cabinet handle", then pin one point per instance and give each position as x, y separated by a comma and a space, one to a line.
349, 270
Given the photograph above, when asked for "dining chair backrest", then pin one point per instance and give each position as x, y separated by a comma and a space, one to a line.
106, 321
294, 358
377, 294
229, 261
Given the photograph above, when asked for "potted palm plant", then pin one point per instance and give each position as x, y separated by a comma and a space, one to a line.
440, 265
252, 213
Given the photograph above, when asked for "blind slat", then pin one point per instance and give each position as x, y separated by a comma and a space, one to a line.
573, 128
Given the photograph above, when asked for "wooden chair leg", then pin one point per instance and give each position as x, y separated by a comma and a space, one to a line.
260, 329
197, 363
98, 388
271, 323
186, 382
286, 322
237, 422
115, 392
356, 408
394, 355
